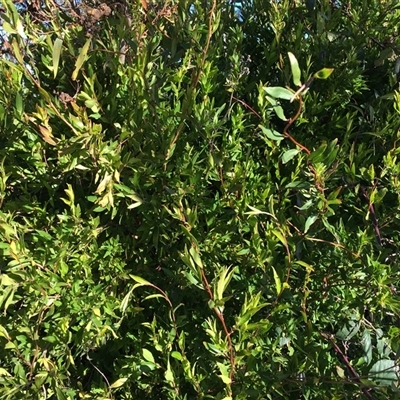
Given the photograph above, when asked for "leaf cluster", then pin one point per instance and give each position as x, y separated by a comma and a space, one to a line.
199, 199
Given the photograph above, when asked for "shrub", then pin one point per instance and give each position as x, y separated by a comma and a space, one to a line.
199, 199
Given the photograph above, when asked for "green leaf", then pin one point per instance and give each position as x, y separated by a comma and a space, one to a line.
118, 383
396, 69
317, 155
140, 280
10, 345
225, 379
367, 346
148, 356
196, 257
60, 394
223, 282
295, 69
310, 220
224, 373
276, 107
331, 153
289, 154
8, 28
191, 278
272, 134
279, 92
18, 103
278, 283
4, 333
154, 296
176, 355
340, 372
17, 52
349, 330
125, 302
20, 28
81, 59
256, 211
279, 112
6, 280
384, 373
323, 73
4, 372
279, 235
169, 376
56, 55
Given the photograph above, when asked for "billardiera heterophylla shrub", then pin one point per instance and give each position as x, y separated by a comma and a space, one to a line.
199, 200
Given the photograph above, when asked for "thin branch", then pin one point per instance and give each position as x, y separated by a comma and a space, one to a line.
351, 369
222, 319
291, 121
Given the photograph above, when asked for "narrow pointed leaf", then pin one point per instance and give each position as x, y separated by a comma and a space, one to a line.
140, 280
272, 134
295, 69
278, 283
279, 92
56, 55
81, 59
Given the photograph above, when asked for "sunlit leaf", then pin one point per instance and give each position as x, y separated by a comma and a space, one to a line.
296, 73
323, 73
289, 154
140, 280
56, 55
310, 220
81, 59
279, 92
272, 134
196, 257
118, 383
278, 283
148, 356
223, 282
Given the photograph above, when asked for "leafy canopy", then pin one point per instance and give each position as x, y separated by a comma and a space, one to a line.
199, 199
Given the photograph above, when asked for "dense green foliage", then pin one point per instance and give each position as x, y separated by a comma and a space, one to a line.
177, 223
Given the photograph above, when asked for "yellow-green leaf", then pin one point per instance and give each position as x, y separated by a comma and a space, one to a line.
56, 55
223, 282
81, 59
196, 257
169, 376
118, 383
6, 280
148, 356
140, 280
97, 312
4, 333
17, 52
20, 29
278, 283
279, 235
295, 69
225, 379
125, 302
8, 28
323, 73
